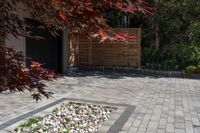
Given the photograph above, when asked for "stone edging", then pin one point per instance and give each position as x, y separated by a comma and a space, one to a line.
8, 125
147, 72
112, 125
117, 120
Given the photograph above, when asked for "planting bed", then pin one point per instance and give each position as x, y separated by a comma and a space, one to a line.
68, 118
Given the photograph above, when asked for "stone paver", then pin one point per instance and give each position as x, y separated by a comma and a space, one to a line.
163, 105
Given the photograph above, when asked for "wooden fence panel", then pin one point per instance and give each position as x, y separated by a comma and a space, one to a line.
92, 53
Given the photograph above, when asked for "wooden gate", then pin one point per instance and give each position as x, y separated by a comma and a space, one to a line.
92, 53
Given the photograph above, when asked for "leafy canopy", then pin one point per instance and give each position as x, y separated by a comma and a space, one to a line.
85, 16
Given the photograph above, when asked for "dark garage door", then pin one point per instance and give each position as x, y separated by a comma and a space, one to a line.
47, 51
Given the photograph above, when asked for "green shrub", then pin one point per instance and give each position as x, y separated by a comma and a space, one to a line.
198, 69
194, 31
176, 57
190, 70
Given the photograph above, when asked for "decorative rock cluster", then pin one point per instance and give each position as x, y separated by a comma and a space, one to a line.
70, 118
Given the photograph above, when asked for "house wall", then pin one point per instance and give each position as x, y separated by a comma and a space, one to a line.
18, 44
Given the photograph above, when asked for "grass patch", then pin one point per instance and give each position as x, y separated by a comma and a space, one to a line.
30, 121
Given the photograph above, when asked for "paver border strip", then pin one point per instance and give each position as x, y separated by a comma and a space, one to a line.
116, 127
24, 116
119, 123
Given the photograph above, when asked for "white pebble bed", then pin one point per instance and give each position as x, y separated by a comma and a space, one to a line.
69, 118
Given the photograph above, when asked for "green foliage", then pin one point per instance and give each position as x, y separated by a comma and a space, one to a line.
158, 60
30, 121
198, 69
178, 25
194, 32
178, 22
114, 17
176, 57
190, 70
68, 131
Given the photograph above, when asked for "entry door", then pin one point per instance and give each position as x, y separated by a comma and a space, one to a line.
47, 51
73, 50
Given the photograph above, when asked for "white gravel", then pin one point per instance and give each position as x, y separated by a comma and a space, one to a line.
69, 118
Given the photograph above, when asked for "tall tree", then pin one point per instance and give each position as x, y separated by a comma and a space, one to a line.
84, 16
174, 22
170, 38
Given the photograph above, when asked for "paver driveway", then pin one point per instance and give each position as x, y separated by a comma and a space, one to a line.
162, 104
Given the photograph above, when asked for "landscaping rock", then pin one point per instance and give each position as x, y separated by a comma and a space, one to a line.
70, 118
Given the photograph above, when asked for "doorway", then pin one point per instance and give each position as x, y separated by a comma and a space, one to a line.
47, 51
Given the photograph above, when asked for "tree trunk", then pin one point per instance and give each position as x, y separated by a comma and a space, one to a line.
126, 21
157, 36
157, 39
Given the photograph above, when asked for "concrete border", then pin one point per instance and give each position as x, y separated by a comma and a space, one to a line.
112, 125
118, 118
120, 122
31, 113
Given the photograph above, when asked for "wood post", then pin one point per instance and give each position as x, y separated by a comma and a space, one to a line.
65, 51
90, 52
139, 47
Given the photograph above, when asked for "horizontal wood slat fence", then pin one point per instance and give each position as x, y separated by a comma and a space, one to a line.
92, 53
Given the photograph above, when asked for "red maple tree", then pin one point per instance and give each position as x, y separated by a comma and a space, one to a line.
78, 16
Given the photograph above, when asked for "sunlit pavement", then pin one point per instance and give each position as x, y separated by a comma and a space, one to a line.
162, 104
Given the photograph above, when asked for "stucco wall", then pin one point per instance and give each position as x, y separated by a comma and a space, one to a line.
16, 43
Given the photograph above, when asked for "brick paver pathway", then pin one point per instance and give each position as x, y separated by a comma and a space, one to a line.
170, 105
